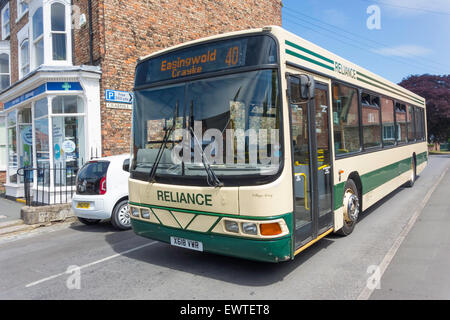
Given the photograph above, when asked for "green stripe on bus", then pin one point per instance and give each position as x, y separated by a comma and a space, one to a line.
377, 178
292, 53
397, 90
296, 46
270, 250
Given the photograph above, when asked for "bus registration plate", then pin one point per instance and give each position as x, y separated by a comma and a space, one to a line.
186, 243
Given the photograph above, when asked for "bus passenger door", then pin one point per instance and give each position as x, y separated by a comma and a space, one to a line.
311, 167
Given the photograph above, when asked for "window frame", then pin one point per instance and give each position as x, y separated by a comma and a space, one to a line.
371, 95
4, 34
23, 66
38, 38
20, 13
7, 52
358, 91
65, 32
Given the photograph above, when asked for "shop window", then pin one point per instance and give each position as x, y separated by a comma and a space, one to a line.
4, 71
370, 112
67, 104
6, 24
41, 133
68, 132
58, 30
400, 118
12, 146
345, 119
38, 37
387, 115
25, 139
3, 143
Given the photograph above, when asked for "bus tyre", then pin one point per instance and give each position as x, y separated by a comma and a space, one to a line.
88, 222
413, 176
351, 208
120, 218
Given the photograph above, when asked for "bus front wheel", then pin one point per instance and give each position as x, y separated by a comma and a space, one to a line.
351, 208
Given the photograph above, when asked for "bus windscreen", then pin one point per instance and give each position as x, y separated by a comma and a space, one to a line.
208, 57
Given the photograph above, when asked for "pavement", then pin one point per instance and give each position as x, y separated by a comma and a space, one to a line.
401, 242
9, 209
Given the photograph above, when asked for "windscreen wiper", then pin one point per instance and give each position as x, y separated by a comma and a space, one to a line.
211, 177
167, 134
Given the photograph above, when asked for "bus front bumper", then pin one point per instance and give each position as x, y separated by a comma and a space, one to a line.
273, 250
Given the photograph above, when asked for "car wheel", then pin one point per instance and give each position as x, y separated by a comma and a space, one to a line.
89, 221
120, 218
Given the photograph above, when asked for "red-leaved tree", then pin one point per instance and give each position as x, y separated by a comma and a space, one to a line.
436, 91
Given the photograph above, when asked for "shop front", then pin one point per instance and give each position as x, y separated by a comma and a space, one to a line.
52, 126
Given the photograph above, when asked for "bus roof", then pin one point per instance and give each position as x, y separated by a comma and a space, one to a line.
306, 54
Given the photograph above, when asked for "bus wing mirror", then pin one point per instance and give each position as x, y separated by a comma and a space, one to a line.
126, 165
301, 88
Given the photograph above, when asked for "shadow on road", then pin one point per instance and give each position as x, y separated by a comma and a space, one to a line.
223, 268
218, 267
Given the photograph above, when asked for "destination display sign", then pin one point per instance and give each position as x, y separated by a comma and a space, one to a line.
209, 57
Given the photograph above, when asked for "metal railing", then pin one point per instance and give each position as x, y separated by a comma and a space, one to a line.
46, 186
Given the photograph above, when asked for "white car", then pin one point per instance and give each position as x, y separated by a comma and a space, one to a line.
102, 192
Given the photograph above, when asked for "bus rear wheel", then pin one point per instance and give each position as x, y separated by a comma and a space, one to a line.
351, 208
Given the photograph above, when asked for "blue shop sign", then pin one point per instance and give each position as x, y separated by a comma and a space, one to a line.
49, 86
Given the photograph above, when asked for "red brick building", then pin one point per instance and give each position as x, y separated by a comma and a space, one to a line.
58, 58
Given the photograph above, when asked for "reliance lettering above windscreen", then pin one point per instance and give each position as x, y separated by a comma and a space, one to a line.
210, 57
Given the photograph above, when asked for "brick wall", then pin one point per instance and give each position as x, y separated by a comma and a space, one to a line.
137, 28
15, 28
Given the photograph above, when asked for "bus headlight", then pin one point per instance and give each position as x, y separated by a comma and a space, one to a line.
145, 213
231, 226
135, 212
249, 228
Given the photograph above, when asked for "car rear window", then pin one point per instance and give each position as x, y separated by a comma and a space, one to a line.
90, 176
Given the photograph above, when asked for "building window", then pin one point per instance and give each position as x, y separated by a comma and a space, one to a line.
6, 25
12, 146
58, 30
24, 58
4, 71
38, 37
68, 131
370, 106
22, 8
345, 119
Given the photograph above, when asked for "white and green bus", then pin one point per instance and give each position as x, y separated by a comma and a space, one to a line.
258, 143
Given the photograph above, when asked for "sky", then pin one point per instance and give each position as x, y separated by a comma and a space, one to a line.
391, 38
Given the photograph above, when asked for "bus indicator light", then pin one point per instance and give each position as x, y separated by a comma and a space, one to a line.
270, 229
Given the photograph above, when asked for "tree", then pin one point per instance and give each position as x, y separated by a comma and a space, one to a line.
436, 91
